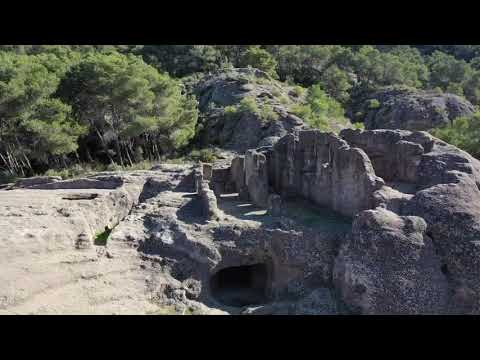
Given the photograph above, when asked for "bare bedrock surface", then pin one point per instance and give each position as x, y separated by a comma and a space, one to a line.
372, 222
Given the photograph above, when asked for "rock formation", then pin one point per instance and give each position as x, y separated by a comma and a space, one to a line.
414, 200
364, 222
243, 130
408, 109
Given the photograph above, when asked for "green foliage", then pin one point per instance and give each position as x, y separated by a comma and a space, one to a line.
248, 104
230, 110
373, 104
455, 75
24, 80
64, 104
33, 125
284, 100
463, 132
321, 111
51, 129
337, 83
261, 59
182, 60
85, 169
471, 87
403, 66
76, 170
276, 93
203, 155
298, 91
305, 64
446, 70
128, 99
101, 238
358, 126
267, 113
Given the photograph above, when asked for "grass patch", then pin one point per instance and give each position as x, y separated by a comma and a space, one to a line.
205, 155
298, 91
85, 169
101, 238
268, 114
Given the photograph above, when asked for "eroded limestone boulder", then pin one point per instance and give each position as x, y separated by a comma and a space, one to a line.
389, 266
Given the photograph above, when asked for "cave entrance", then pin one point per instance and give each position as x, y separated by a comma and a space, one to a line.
241, 285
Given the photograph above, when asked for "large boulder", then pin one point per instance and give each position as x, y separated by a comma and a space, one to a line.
409, 109
452, 211
389, 266
439, 183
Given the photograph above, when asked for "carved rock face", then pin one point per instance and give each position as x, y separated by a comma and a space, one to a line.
414, 200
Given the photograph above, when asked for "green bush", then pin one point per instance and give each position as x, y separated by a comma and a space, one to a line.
230, 110
321, 111
267, 113
248, 104
261, 59
203, 155
276, 93
463, 132
373, 104
298, 90
284, 100
76, 170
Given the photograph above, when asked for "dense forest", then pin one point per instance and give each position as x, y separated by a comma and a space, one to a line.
62, 105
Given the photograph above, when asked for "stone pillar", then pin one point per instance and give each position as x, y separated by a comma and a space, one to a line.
256, 177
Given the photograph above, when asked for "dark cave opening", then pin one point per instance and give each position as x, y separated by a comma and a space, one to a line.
444, 270
241, 285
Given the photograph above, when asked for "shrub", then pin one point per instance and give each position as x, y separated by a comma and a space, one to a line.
284, 100
276, 92
203, 155
463, 132
230, 110
321, 111
260, 59
248, 104
268, 114
373, 104
298, 90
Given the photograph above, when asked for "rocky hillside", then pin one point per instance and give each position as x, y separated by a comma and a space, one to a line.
244, 108
409, 109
